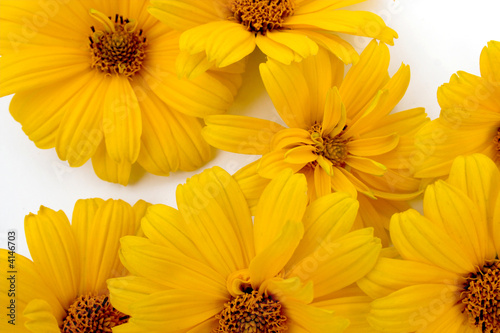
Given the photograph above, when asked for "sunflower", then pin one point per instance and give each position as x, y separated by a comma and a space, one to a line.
469, 121
448, 279
207, 268
222, 32
96, 79
340, 133
64, 288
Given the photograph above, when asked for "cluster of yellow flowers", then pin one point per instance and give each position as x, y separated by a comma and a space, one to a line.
315, 236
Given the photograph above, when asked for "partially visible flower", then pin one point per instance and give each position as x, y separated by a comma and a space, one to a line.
96, 79
448, 279
469, 121
226, 31
207, 268
64, 288
340, 133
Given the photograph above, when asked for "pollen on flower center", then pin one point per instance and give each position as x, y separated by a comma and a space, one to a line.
119, 48
332, 148
481, 297
251, 313
92, 314
261, 15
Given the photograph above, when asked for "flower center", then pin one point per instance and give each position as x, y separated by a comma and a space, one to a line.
261, 15
92, 314
481, 297
119, 48
251, 313
334, 149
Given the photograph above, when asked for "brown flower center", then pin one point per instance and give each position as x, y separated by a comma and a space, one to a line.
119, 48
261, 15
92, 314
251, 313
334, 149
481, 297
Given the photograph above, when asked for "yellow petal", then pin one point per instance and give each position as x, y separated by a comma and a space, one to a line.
192, 65
128, 290
271, 259
294, 288
366, 165
301, 155
176, 309
373, 146
183, 15
325, 219
109, 170
413, 308
39, 317
358, 23
53, 248
283, 199
342, 182
301, 46
218, 219
291, 137
319, 5
112, 220
169, 267
277, 51
334, 114
365, 78
271, 164
251, 183
306, 318
416, 238
288, 90
122, 121
170, 140
490, 57
390, 275
322, 182
340, 262
80, 131
240, 134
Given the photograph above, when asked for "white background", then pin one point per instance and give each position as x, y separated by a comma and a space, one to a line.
436, 38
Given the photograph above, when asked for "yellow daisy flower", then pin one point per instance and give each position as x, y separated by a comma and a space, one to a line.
64, 288
226, 31
207, 268
340, 133
469, 121
448, 279
96, 79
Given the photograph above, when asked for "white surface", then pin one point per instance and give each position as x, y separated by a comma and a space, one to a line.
436, 38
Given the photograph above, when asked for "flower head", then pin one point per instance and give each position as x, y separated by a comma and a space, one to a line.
96, 80
469, 121
207, 267
340, 133
225, 31
448, 277
64, 288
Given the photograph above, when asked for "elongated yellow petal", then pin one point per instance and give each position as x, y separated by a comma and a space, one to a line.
322, 182
271, 164
301, 45
334, 114
108, 169
251, 183
277, 51
183, 15
240, 134
306, 318
39, 317
283, 199
416, 238
163, 262
122, 121
366, 165
301, 155
53, 249
291, 137
176, 309
218, 219
373, 146
489, 61
342, 182
413, 308
390, 275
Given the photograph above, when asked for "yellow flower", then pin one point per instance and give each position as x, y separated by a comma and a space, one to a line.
206, 267
226, 31
469, 121
340, 133
64, 288
105, 88
448, 279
